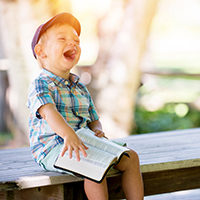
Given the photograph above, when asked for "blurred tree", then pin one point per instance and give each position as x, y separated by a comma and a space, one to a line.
4, 84
11, 23
18, 20
4, 108
123, 32
116, 74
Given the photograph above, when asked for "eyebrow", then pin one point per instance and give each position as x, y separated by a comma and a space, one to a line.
60, 33
63, 33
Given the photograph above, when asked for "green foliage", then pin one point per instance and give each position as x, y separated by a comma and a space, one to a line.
164, 119
5, 137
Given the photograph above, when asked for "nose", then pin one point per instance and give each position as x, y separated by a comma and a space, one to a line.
71, 43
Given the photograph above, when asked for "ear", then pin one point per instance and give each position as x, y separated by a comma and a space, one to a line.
39, 51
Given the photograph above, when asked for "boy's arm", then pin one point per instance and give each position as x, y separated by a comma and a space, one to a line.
97, 128
58, 124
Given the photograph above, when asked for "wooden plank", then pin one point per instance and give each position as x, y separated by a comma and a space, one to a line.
54, 192
40, 179
45, 180
167, 150
3, 195
165, 139
160, 182
160, 154
5, 186
170, 165
172, 180
155, 183
15, 151
180, 195
162, 140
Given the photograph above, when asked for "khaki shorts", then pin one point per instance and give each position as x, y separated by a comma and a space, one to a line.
48, 162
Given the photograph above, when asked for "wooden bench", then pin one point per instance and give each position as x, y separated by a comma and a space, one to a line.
170, 161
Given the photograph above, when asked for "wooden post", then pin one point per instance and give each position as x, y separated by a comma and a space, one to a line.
74, 191
4, 107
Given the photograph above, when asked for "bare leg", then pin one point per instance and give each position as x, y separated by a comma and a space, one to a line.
96, 191
131, 178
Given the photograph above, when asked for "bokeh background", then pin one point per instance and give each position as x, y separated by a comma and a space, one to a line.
140, 61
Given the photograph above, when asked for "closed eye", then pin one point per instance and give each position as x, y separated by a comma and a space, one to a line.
61, 39
77, 41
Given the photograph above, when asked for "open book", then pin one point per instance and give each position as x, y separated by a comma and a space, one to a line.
101, 156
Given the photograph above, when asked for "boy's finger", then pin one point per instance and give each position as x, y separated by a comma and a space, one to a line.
97, 132
85, 147
64, 149
82, 149
100, 134
70, 152
76, 151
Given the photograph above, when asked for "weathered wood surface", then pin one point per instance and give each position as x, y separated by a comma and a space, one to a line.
167, 150
180, 195
170, 161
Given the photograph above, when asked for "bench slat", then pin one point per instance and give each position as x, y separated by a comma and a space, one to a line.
170, 158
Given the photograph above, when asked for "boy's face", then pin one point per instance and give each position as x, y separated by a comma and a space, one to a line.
60, 49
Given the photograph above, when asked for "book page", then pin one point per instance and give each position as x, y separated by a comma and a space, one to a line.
92, 170
88, 138
95, 157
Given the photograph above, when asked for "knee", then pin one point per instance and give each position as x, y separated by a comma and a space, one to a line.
131, 162
134, 157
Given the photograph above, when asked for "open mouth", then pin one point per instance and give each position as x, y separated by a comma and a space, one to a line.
70, 54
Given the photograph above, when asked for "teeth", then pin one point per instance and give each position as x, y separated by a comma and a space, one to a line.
73, 52
70, 53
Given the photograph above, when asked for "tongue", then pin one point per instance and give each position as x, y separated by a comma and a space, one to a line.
70, 54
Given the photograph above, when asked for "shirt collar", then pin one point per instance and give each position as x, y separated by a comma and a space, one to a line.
73, 79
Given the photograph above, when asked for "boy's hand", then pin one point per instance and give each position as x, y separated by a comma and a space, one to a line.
73, 143
96, 127
99, 133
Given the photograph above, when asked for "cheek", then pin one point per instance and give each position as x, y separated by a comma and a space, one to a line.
55, 51
78, 48
79, 52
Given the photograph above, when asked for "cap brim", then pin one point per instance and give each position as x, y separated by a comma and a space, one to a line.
63, 18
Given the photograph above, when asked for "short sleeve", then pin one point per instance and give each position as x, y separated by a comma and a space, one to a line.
40, 93
92, 109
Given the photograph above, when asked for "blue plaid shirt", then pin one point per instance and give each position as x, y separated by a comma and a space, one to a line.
73, 101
